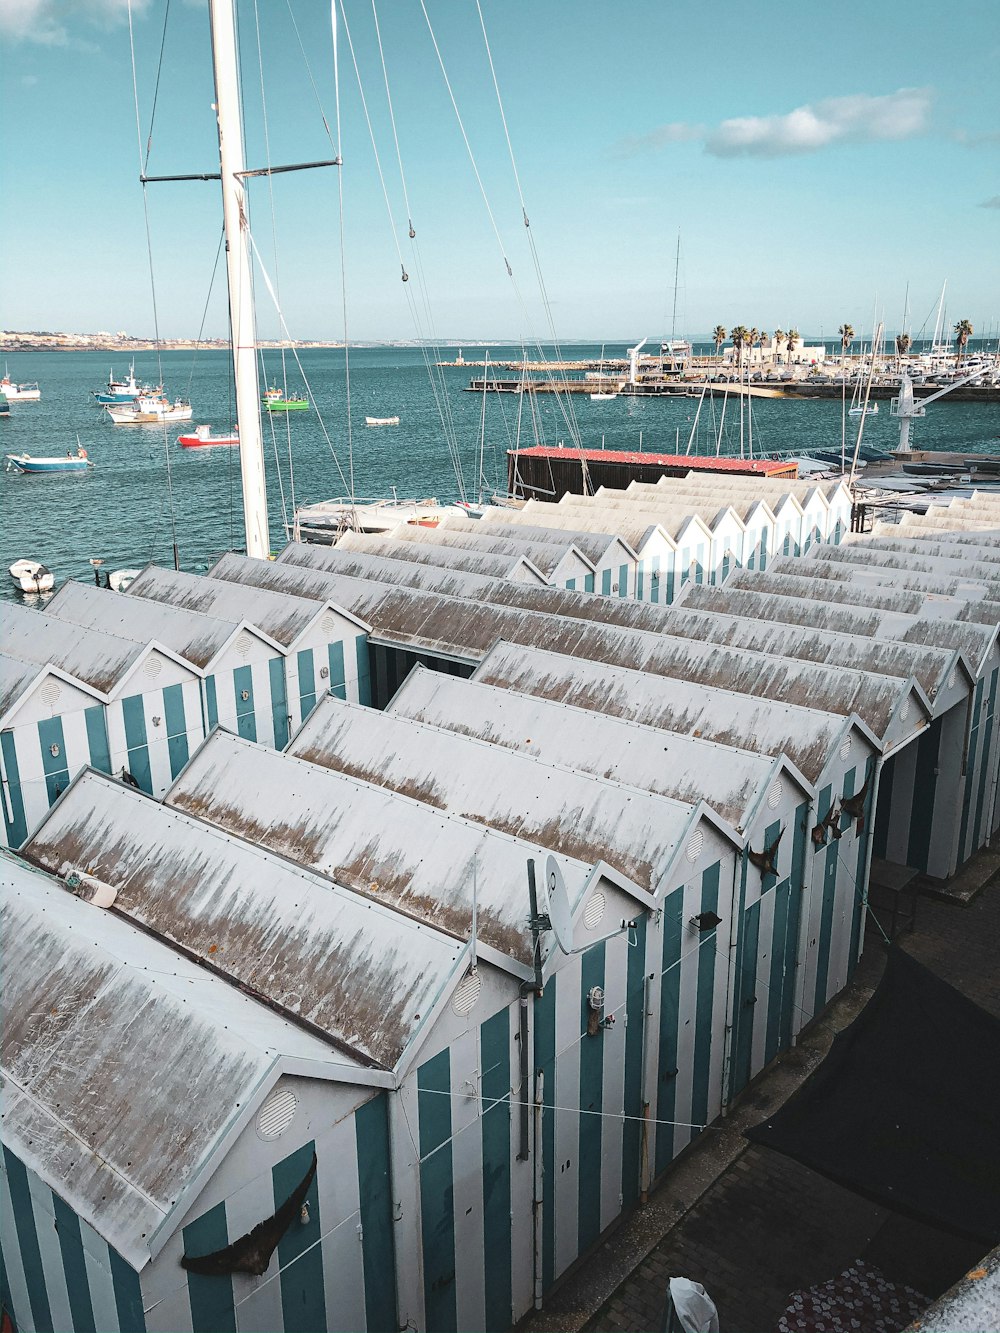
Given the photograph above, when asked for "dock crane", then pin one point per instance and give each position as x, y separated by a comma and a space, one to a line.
906, 408
633, 360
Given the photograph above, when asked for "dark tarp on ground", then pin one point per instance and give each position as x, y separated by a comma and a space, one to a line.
905, 1109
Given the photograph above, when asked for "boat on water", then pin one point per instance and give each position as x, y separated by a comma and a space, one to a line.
381, 421
72, 462
863, 411
602, 397
19, 393
150, 409
120, 391
202, 438
4, 406
324, 522
276, 401
32, 576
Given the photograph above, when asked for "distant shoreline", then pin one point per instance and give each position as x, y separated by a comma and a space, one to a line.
65, 342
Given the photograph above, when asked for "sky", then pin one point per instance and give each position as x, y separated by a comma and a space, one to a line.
819, 163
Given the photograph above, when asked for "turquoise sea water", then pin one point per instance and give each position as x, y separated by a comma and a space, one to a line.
121, 511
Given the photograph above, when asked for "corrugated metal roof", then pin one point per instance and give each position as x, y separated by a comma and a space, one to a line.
282, 617
726, 465
544, 555
757, 602
197, 637
889, 537
353, 970
439, 553
709, 494
931, 667
544, 801
672, 517
933, 574
949, 521
398, 850
685, 768
18, 679
596, 546
851, 594
123, 1062
97, 657
634, 525
983, 613
465, 630
904, 530
809, 738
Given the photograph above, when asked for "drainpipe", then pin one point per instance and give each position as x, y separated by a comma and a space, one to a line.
537, 1201
735, 922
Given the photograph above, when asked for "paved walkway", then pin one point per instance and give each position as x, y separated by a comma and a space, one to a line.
753, 1225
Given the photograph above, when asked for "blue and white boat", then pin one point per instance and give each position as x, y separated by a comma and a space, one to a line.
72, 462
119, 391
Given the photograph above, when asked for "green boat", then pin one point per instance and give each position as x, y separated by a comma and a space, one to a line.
275, 401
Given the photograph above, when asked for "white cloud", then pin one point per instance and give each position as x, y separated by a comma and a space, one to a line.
45, 21
858, 118
855, 119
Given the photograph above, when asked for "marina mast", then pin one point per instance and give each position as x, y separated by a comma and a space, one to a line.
241, 308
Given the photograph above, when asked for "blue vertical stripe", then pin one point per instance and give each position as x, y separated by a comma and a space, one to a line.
74, 1266
128, 1295
494, 1038
176, 724
606, 582
371, 1127
211, 1298
635, 1012
860, 882
27, 1237
97, 738
670, 990
51, 738
545, 1063
300, 1253
746, 985
705, 1004
211, 704
984, 768
338, 675
279, 701
364, 669
13, 806
437, 1192
135, 740
246, 721
829, 858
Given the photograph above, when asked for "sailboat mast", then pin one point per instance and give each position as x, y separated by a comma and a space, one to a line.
241, 312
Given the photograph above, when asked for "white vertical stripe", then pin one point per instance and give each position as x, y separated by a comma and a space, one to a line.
51, 1254
193, 715
154, 706
116, 737
102, 1287
566, 1167
467, 1178
901, 806
11, 1246
843, 909
720, 986
31, 774
765, 996
340, 1218
172, 1314
257, 1299
405, 1157
613, 1090
163, 1285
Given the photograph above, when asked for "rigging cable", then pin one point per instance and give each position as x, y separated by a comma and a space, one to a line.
152, 279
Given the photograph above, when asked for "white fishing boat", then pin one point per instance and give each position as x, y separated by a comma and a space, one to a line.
150, 409
31, 576
324, 522
602, 397
381, 421
19, 393
120, 391
863, 411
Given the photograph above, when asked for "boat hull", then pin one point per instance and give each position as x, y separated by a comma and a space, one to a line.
30, 576
208, 441
45, 465
288, 405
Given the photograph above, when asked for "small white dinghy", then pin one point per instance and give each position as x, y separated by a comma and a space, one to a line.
119, 579
381, 421
31, 576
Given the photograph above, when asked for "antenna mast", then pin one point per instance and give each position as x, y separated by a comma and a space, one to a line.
241, 311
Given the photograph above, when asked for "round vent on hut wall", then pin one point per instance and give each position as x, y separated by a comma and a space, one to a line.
243, 644
593, 913
464, 1000
50, 692
695, 845
152, 667
774, 797
329, 623
277, 1113
845, 747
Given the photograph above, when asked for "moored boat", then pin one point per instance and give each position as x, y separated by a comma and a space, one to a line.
19, 393
869, 411
276, 401
150, 409
119, 391
72, 462
381, 421
32, 576
202, 438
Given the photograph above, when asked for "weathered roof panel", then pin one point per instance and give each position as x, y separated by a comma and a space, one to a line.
596, 546
438, 554
99, 658
349, 968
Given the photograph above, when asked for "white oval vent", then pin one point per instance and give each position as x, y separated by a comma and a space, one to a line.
277, 1113
845, 746
464, 1000
244, 644
329, 623
50, 692
152, 667
593, 913
696, 844
774, 797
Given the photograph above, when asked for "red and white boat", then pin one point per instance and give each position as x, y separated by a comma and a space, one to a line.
202, 438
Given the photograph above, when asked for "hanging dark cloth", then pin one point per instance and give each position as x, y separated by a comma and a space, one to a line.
905, 1109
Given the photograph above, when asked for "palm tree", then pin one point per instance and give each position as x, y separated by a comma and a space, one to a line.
719, 336
738, 335
846, 332
963, 332
791, 338
779, 338
902, 345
